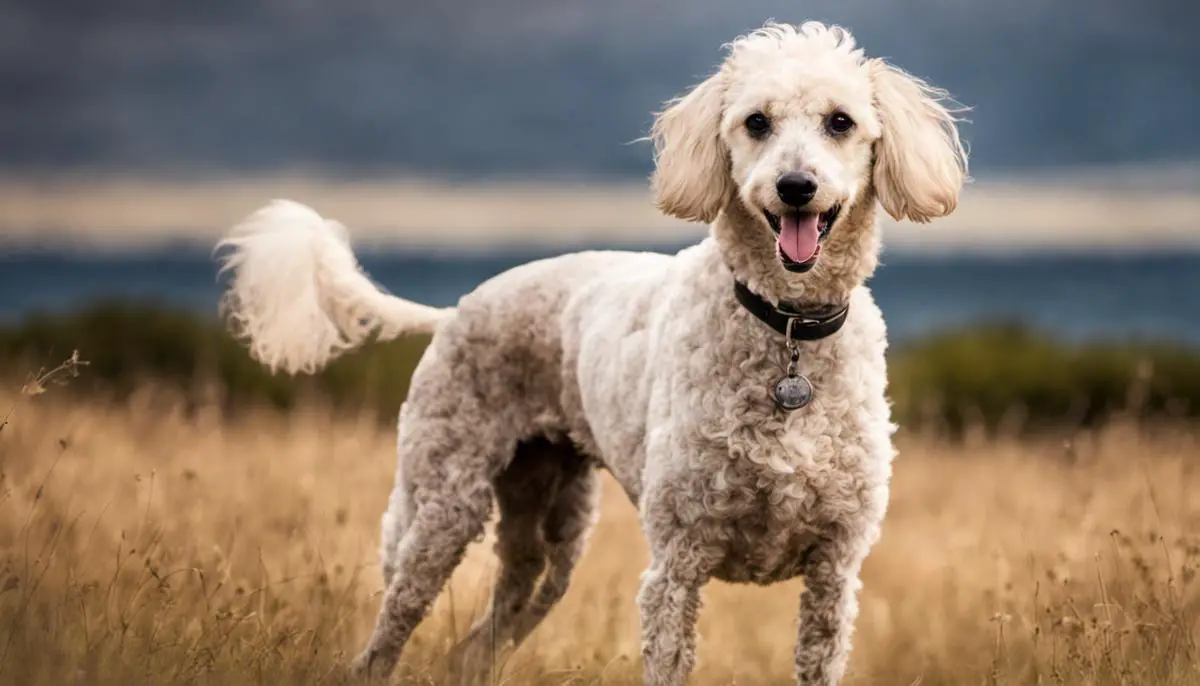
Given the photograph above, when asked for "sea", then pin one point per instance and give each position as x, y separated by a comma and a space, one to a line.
1107, 296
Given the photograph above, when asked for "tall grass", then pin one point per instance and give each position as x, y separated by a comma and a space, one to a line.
155, 540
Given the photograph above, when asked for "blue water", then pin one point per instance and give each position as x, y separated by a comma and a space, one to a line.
1075, 296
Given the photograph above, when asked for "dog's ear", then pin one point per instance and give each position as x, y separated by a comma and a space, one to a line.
920, 163
691, 164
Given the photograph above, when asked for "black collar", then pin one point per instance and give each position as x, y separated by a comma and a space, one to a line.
805, 326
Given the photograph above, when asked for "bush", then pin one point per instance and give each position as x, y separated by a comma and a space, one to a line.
993, 375
130, 344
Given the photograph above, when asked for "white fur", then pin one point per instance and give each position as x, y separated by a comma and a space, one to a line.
691, 179
922, 163
299, 297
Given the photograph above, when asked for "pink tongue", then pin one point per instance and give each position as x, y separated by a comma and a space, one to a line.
798, 236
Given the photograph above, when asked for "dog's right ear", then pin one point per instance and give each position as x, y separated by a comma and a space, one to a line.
691, 174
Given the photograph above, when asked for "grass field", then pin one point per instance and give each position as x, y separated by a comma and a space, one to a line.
144, 543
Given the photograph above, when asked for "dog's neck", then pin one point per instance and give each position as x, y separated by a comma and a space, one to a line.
848, 257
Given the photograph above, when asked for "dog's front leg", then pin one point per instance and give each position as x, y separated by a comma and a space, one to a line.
828, 608
669, 601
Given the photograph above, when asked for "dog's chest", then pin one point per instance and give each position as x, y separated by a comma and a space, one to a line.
774, 483
760, 544
767, 522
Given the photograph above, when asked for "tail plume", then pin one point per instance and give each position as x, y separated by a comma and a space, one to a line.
299, 298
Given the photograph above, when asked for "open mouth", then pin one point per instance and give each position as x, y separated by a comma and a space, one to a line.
799, 236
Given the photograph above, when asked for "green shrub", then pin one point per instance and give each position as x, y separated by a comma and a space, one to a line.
990, 375
995, 372
128, 344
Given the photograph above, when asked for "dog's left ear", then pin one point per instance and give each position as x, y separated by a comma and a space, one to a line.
920, 163
691, 164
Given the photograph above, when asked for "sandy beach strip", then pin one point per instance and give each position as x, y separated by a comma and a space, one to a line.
141, 213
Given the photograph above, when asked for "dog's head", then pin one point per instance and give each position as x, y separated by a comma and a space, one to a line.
797, 127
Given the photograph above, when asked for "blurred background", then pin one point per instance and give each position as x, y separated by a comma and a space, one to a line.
462, 137
1045, 359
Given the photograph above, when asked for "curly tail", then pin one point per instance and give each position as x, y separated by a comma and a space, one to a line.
299, 298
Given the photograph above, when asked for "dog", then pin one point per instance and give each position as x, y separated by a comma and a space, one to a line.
735, 390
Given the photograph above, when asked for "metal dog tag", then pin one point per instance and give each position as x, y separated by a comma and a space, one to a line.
793, 392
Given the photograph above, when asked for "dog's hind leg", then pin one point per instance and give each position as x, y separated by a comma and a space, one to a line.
547, 503
399, 514
566, 529
525, 492
448, 477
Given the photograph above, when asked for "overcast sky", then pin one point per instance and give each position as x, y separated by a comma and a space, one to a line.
549, 88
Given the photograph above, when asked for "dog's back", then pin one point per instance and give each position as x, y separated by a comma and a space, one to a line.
526, 339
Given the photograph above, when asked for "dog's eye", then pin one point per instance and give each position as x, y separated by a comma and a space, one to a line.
839, 123
758, 125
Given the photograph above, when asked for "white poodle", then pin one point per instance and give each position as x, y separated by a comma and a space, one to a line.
734, 390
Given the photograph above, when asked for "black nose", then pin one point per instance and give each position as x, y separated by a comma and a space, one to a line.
796, 188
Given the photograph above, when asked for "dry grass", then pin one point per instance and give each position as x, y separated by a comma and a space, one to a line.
138, 545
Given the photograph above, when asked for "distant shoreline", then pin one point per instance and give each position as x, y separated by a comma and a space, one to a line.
137, 213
